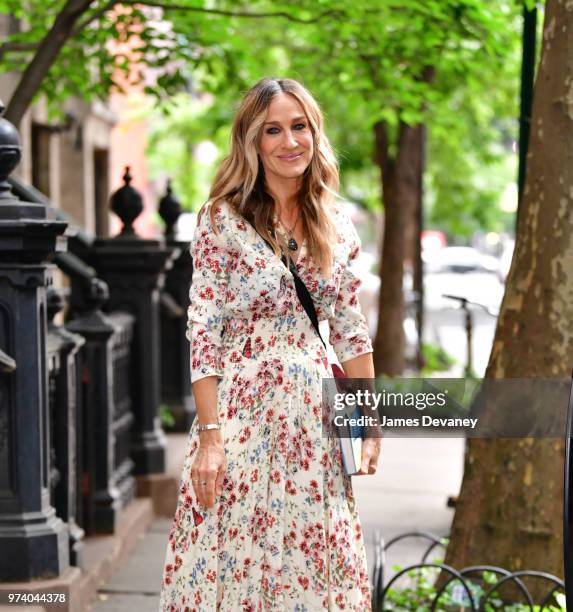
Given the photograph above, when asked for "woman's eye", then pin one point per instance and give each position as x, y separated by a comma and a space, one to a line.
276, 130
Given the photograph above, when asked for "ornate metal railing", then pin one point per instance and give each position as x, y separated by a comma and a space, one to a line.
122, 402
93, 509
65, 407
433, 585
79, 398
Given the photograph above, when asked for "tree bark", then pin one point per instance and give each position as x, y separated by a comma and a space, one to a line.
414, 250
418, 272
400, 191
46, 54
510, 505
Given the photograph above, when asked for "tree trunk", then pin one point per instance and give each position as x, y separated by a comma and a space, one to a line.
510, 506
418, 272
45, 56
414, 235
400, 189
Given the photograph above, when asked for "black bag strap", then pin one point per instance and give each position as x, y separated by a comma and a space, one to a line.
305, 298
302, 292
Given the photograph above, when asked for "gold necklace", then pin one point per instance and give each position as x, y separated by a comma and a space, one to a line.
292, 243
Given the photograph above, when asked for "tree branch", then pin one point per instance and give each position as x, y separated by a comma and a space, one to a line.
47, 52
7, 47
225, 13
66, 26
95, 15
196, 9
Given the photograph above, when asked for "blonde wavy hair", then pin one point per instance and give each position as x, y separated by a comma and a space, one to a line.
240, 179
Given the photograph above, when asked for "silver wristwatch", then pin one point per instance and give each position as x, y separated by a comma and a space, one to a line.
208, 426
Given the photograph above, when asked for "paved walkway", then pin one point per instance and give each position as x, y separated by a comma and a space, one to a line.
408, 493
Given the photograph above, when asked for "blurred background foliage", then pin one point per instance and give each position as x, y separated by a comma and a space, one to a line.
363, 60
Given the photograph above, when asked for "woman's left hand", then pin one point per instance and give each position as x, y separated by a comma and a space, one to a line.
370, 455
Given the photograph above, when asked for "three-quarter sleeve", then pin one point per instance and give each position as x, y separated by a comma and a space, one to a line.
205, 315
349, 335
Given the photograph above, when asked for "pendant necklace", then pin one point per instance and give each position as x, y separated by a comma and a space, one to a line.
292, 243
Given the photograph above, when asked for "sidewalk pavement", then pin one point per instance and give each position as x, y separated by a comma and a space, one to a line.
408, 493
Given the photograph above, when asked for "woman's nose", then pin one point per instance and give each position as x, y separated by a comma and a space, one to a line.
290, 140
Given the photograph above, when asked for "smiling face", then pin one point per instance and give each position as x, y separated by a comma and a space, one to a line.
285, 144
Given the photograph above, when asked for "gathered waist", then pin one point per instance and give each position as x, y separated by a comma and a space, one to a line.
285, 338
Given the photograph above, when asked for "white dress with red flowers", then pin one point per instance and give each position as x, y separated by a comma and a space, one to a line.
284, 534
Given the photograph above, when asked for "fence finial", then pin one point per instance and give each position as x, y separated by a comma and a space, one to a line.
10, 154
169, 210
127, 204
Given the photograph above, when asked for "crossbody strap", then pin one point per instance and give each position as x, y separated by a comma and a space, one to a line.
305, 298
302, 292
307, 303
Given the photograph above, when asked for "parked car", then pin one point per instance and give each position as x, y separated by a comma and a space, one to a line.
465, 272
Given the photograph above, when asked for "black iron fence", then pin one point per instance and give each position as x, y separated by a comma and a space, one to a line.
80, 382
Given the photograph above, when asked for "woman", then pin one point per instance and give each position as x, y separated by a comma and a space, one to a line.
266, 518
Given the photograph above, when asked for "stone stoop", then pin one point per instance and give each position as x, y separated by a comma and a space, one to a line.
163, 489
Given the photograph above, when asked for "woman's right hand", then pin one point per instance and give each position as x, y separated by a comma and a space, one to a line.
209, 466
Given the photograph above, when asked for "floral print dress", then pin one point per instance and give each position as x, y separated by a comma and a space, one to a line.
284, 534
